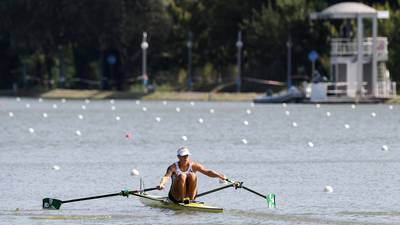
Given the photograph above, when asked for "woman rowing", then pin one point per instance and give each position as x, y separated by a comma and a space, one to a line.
184, 178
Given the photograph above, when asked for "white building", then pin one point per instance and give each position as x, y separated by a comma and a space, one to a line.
358, 65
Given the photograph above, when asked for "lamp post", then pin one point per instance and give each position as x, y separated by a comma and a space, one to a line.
189, 46
289, 45
144, 47
239, 45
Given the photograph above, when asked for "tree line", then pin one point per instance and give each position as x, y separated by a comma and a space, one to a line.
97, 44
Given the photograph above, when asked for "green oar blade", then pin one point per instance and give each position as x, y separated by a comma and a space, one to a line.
51, 203
271, 200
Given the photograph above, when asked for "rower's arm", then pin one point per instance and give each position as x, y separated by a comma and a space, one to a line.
208, 172
165, 178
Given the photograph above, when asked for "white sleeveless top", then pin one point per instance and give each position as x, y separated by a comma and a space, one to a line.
178, 171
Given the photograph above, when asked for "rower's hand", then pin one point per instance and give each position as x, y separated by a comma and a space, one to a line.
161, 186
222, 179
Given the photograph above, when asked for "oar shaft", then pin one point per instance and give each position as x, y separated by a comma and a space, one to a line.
109, 195
93, 197
214, 190
252, 191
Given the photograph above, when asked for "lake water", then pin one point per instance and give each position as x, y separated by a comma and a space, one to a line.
277, 158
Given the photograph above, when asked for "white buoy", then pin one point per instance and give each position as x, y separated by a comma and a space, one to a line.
28, 105
252, 104
184, 138
113, 108
55, 106
390, 107
83, 107
45, 115
137, 102
135, 172
384, 148
373, 114
78, 133
80, 116
287, 113
55, 167
63, 100
248, 111
244, 141
164, 103
310, 144
192, 103
40, 100
117, 118
10, 114
328, 189
112, 101
318, 106
158, 119
328, 114
294, 124
31, 130
212, 111
246, 123
284, 105
178, 109
18, 99
353, 106
200, 120
347, 126
87, 101
144, 109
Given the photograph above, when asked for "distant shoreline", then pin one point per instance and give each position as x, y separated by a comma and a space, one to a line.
167, 95
96, 94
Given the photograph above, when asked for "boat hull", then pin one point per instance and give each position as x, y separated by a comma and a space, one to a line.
164, 202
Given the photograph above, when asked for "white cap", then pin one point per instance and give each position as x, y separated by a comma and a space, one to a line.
182, 151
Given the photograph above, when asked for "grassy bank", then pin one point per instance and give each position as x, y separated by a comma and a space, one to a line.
177, 96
